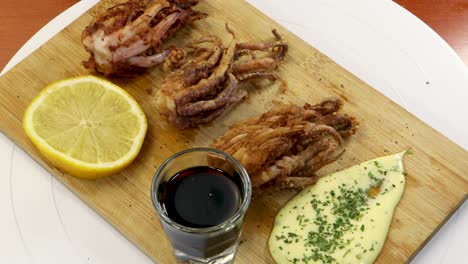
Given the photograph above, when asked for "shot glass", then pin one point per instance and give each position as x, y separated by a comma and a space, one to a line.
201, 242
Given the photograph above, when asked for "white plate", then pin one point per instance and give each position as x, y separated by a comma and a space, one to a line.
378, 41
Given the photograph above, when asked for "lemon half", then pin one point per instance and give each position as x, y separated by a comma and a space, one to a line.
86, 126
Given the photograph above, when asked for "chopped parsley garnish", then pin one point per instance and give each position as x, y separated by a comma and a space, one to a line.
377, 164
377, 181
348, 206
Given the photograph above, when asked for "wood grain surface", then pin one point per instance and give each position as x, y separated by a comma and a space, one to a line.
20, 19
436, 182
449, 18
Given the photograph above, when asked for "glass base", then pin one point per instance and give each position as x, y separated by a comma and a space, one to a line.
225, 257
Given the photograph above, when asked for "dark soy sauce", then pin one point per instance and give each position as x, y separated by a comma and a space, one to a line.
201, 197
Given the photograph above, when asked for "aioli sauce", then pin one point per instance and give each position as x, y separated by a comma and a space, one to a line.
343, 218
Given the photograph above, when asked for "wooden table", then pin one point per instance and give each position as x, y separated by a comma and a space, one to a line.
20, 19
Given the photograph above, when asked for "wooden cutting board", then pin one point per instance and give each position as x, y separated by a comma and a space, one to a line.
437, 172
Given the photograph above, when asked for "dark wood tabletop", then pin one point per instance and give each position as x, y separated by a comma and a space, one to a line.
20, 19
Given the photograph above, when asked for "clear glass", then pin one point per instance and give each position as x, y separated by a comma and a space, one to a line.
217, 244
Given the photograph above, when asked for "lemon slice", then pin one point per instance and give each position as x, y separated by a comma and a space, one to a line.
86, 126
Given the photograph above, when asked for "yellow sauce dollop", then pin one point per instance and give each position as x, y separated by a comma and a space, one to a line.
344, 218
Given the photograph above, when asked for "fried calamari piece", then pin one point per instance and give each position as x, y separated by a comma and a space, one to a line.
128, 38
285, 146
208, 82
